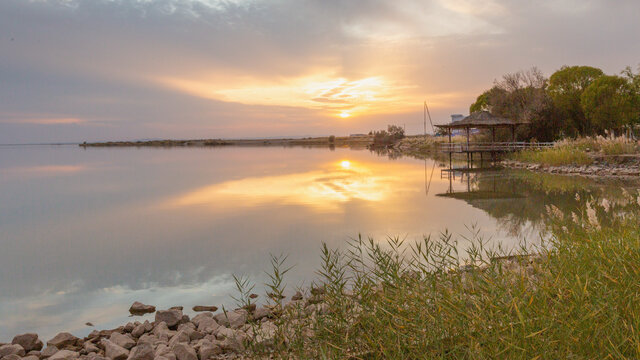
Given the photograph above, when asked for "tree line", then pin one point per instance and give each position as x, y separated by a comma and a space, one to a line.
574, 101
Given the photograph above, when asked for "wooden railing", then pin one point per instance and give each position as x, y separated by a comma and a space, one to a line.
493, 146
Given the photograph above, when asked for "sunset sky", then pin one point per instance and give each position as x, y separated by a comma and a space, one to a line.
76, 70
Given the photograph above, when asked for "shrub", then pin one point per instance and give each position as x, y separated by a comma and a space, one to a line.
332, 139
554, 156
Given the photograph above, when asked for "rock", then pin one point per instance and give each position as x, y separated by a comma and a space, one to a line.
64, 355
129, 327
196, 335
265, 334
184, 352
180, 337
122, 340
141, 329
176, 308
250, 307
11, 349
12, 357
114, 351
231, 344
233, 319
262, 312
34, 352
142, 352
90, 347
199, 308
196, 319
224, 332
139, 308
48, 351
28, 341
171, 317
31, 357
297, 296
209, 350
62, 340
208, 325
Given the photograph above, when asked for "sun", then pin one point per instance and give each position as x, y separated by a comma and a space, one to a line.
344, 115
346, 164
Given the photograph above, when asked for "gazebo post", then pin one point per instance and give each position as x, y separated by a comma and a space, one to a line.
513, 133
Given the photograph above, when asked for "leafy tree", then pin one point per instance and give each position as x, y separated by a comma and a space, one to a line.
389, 136
565, 88
609, 103
481, 104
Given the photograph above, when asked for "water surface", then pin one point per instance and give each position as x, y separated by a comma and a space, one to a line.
84, 233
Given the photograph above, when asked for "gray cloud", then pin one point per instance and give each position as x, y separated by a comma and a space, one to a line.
95, 60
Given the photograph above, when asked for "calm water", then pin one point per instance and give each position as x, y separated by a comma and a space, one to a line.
84, 233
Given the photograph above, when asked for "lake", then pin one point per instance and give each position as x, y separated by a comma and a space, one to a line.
86, 232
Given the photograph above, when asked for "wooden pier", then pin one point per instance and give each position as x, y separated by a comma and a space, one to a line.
491, 147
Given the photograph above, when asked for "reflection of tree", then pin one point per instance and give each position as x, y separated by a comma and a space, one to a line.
521, 200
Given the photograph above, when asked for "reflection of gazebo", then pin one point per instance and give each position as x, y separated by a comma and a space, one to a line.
485, 120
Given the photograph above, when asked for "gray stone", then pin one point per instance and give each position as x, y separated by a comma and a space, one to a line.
11, 349
114, 351
199, 308
233, 319
62, 340
139, 308
171, 317
122, 340
184, 352
64, 355
142, 352
28, 341
49, 351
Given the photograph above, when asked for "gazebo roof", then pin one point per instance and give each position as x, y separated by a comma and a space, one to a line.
481, 119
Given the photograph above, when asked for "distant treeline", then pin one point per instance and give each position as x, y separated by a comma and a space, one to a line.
574, 101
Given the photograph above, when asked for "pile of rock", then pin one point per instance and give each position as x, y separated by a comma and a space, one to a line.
172, 336
598, 168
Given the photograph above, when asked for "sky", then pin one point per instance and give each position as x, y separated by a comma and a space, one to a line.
98, 70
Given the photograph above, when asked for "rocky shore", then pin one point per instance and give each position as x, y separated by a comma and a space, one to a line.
171, 336
603, 166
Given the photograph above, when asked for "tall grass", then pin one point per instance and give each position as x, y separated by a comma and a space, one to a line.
609, 145
555, 156
574, 296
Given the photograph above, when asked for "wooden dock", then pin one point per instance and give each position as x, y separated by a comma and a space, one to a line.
491, 147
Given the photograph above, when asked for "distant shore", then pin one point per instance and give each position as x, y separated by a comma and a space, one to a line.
363, 141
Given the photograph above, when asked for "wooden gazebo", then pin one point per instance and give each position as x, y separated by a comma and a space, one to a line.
485, 120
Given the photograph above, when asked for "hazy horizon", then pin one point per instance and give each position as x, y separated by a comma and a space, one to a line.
100, 70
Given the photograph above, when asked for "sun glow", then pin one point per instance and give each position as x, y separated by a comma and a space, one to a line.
346, 164
344, 115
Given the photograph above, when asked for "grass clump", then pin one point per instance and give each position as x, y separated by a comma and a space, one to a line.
555, 156
577, 295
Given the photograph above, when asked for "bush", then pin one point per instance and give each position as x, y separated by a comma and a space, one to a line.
389, 136
332, 139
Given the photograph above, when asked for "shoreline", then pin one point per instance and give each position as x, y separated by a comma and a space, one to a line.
310, 141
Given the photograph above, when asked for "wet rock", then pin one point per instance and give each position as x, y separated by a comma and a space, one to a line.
122, 340
62, 340
11, 349
200, 308
233, 319
49, 351
171, 317
139, 308
28, 341
142, 352
184, 352
64, 355
114, 351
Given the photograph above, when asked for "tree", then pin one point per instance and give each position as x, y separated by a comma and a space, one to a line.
565, 88
481, 104
609, 103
